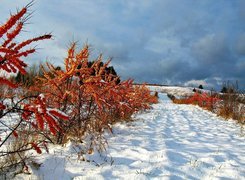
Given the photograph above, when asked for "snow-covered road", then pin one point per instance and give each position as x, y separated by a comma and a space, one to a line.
167, 142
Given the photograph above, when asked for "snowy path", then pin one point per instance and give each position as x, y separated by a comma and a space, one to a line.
168, 142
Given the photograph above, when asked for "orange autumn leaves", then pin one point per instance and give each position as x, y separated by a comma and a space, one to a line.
43, 114
89, 93
11, 52
203, 100
84, 95
11, 61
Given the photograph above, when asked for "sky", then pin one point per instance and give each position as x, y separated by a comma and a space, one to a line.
174, 42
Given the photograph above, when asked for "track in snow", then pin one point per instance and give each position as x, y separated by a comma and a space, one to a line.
168, 142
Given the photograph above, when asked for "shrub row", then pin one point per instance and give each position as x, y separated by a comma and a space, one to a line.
78, 102
225, 105
89, 94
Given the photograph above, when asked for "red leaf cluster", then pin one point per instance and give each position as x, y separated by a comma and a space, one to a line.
201, 99
12, 52
15, 134
37, 149
2, 107
43, 114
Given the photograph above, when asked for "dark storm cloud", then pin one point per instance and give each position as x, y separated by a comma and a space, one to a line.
160, 41
240, 45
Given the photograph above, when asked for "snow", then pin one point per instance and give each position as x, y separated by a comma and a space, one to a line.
167, 142
6, 74
173, 90
177, 90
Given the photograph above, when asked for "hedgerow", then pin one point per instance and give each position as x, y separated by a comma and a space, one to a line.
225, 105
27, 110
77, 102
89, 94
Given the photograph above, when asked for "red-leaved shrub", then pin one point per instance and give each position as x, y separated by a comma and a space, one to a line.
91, 96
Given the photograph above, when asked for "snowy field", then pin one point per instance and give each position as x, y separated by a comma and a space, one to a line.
173, 90
167, 142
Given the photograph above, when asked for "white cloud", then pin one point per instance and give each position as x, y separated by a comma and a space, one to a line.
196, 83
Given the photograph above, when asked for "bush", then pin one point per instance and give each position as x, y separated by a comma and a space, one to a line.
78, 102
91, 94
232, 107
229, 87
225, 105
203, 100
200, 87
28, 79
30, 111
